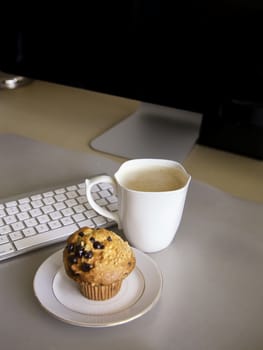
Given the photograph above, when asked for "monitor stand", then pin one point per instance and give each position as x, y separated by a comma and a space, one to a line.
153, 131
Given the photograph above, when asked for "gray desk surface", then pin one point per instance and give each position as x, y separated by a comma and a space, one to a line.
212, 294
213, 285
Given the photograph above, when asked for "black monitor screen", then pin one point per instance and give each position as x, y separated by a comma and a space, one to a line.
201, 56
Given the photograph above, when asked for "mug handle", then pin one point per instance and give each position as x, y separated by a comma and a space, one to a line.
102, 211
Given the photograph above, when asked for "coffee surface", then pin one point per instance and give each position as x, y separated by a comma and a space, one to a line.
153, 179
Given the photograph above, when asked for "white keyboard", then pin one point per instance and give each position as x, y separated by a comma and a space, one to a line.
32, 221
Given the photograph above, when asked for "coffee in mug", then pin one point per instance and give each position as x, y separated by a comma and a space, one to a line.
154, 179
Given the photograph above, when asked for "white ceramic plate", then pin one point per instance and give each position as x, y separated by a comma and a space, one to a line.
61, 297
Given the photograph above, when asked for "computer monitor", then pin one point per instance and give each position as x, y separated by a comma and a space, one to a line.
199, 56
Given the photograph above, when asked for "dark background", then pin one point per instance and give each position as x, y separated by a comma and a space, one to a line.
195, 56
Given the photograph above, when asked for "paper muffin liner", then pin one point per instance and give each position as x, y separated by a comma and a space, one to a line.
99, 292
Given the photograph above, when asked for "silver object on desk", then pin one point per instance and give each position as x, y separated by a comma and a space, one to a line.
152, 131
10, 81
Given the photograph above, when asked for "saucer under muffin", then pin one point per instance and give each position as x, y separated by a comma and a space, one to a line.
98, 260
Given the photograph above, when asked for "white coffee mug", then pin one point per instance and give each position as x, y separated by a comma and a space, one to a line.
151, 196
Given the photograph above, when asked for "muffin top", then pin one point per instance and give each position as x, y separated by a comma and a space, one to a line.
97, 256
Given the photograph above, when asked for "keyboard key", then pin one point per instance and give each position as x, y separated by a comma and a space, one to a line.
60, 190
72, 188
99, 220
72, 194
36, 197
90, 213
6, 248
49, 200
3, 239
79, 217
67, 221
37, 203
42, 228
30, 231
11, 204
43, 219
23, 216
24, 200
60, 205
17, 226
25, 207
79, 208
47, 209
15, 235
88, 223
48, 194
4, 230
2, 213
68, 212
55, 215
35, 212
12, 210
60, 197
54, 224
30, 222
10, 219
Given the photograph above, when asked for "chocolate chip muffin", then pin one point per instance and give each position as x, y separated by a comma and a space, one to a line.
98, 260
